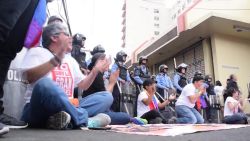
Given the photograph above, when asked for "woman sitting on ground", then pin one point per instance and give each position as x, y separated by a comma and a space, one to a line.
233, 111
148, 105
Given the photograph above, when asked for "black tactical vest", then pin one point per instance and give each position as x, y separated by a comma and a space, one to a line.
144, 75
123, 73
80, 57
182, 83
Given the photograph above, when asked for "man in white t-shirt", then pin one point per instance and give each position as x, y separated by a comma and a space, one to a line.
233, 111
186, 113
52, 77
148, 106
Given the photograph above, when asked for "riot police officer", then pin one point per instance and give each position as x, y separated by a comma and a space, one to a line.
123, 79
211, 106
164, 83
96, 49
78, 53
180, 80
141, 73
120, 64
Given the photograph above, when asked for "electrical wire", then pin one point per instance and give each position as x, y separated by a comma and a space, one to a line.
59, 8
48, 12
66, 15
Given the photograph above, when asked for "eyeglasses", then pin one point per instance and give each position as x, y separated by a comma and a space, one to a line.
65, 33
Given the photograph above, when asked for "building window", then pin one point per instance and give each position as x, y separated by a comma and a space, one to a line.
156, 33
156, 18
183, 6
156, 11
174, 17
157, 25
179, 11
189, 1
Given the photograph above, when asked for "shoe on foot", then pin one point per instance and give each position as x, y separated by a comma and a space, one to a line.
172, 120
3, 129
58, 121
157, 120
98, 121
12, 122
139, 121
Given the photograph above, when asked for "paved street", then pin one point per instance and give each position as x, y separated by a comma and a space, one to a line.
242, 134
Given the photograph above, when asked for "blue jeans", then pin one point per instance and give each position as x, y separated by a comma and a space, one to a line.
48, 99
101, 102
237, 118
186, 115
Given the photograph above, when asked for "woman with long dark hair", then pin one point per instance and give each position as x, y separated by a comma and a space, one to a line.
233, 111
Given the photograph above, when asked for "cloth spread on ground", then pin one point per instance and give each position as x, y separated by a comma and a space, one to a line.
170, 129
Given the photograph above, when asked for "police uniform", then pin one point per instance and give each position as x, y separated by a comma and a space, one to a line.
141, 73
123, 76
163, 83
180, 81
79, 56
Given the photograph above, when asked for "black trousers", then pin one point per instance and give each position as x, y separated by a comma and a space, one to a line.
152, 115
117, 99
15, 17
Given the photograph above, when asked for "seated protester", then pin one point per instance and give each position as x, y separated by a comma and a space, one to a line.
231, 83
97, 94
148, 105
186, 113
52, 78
141, 72
52, 20
202, 102
233, 111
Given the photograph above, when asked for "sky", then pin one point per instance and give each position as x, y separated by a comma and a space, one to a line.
99, 20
